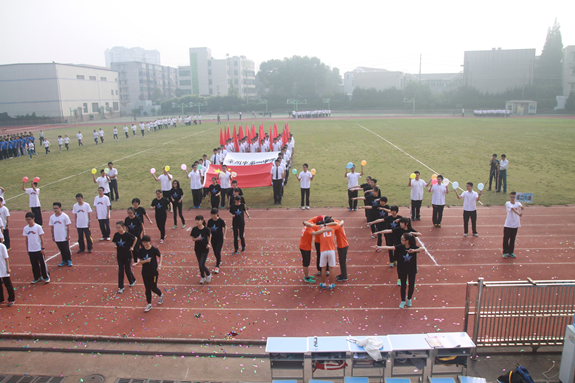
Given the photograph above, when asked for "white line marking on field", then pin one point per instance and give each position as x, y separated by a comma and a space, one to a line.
407, 154
427, 252
105, 164
58, 253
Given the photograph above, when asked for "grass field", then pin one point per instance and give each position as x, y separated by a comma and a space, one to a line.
540, 153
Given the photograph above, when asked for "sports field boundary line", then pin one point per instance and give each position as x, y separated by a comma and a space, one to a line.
394, 284
404, 152
58, 253
118, 160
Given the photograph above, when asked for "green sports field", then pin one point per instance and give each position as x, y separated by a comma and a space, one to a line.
540, 153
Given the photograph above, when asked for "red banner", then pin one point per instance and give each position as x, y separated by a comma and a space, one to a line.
251, 176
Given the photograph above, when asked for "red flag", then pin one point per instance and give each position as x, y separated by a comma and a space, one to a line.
271, 137
227, 133
284, 137
287, 130
247, 176
222, 141
253, 131
275, 130
262, 133
236, 146
241, 132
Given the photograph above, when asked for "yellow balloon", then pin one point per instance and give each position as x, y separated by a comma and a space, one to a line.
434, 176
363, 163
167, 168
94, 171
312, 172
412, 176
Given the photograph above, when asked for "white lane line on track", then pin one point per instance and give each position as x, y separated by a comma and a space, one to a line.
120, 159
427, 252
404, 152
58, 253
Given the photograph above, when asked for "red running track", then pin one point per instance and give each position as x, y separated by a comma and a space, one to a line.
261, 293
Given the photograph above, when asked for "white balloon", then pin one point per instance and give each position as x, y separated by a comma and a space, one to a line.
445, 181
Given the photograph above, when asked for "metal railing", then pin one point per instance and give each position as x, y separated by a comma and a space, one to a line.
519, 313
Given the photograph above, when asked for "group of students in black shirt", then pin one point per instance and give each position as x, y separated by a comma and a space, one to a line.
400, 237
134, 245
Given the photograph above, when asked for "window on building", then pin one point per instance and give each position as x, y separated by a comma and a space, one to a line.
229, 73
93, 78
95, 107
107, 105
209, 62
230, 82
209, 72
116, 92
186, 91
85, 107
79, 77
103, 79
210, 81
112, 92
116, 79
211, 91
236, 81
116, 106
235, 73
185, 73
235, 63
186, 82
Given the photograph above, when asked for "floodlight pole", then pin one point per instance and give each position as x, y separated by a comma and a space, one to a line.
70, 115
327, 100
199, 105
265, 102
412, 101
296, 103
174, 105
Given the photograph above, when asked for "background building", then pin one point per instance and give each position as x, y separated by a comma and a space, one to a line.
498, 70
568, 77
438, 82
59, 90
123, 54
141, 82
212, 77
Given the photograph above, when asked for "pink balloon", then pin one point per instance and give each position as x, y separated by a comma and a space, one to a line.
36, 179
184, 167
25, 179
153, 170
434, 181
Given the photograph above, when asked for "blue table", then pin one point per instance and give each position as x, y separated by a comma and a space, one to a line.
287, 354
409, 347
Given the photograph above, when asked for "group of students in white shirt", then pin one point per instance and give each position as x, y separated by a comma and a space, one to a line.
311, 113
491, 113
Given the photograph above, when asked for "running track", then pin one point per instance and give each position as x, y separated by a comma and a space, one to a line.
261, 293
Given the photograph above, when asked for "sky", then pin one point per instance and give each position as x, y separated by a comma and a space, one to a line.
378, 34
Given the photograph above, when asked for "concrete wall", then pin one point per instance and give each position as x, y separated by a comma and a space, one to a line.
568, 70
379, 80
199, 67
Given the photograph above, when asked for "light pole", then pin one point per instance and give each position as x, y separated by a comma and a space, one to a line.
412, 101
264, 102
327, 101
174, 105
198, 104
296, 103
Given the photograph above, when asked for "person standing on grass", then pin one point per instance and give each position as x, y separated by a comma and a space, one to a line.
148, 256
60, 225
142, 129
196, 181
134, 226
503, 165
217, 228
47, 147
470, 198
352, 183
126, 129
215, 192
113, 185
134, 130
103, 181
67, 142
493, 170
160, 205
60, 143
80, 136
438, 193
417, 185
4, 214
35, 245
125, 245
82, 212
201, 237
102, 206
512, 224
101, 134
34, 200
406, 255
225, 180
165, 185
41, 136
176, 198
305, 179
115, 132
327, 258
31, 150
237, 210
95, 134
5, 277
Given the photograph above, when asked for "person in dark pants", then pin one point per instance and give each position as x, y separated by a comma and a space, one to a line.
406, 265
4, 214
201, 237
176, 198
305, 179
125, 244
215, 191
102, 206
5, 276
217, 228
134, 226
60, 225
503, 165
161, 206
82, 212
512, 224
493, 170
438, 193
417, 185
113, 176
352, 184
35, 245
148, 257
342, 247
237, 210
34, 201
278, 176
470, 198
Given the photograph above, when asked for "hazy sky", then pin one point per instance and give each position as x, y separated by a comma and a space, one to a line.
381, 34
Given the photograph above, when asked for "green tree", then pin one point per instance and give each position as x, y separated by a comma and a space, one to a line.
178, 92
570, 103
548, 70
